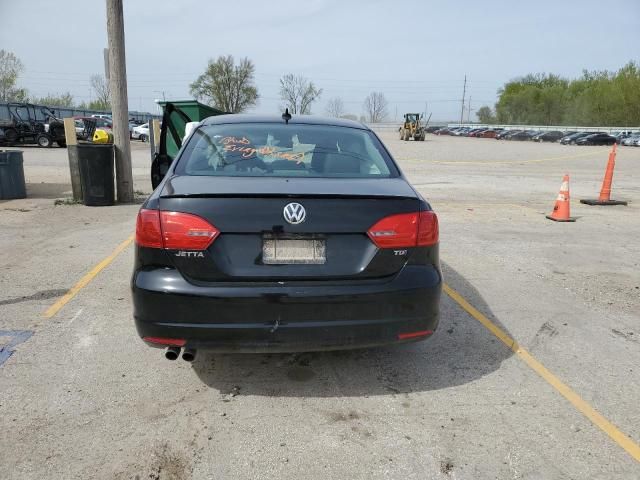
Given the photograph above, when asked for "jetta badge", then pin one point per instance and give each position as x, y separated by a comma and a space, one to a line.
294, 213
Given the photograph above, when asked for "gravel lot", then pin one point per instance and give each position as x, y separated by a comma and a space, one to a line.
82, 397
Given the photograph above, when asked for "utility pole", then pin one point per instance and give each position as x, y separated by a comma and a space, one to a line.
464, 92
119, 100
469, 111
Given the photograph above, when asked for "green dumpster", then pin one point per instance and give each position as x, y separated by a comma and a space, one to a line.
193, 109
12, 184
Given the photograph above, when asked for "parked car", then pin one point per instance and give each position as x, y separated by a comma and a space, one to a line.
487, 134
523, 135
349, 246
103, 116
473, 131
141, 132
101, 123
621, 135
551, 136
597, 139
460, 132
571, 139
79, 126
506, 133
433, 128
632, 141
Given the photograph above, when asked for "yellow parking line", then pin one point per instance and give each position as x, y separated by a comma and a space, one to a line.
84, 281
583, 407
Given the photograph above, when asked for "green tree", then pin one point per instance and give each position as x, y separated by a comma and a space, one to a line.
597, 98
10, 69
485, 115
227, 86
53, 100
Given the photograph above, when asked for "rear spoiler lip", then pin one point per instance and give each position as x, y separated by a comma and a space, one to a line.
286, 195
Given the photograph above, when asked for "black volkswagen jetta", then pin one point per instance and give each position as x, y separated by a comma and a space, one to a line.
281, 235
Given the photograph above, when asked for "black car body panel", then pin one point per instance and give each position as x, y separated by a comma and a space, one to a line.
229, 299
193, 186
596, 139
273, 316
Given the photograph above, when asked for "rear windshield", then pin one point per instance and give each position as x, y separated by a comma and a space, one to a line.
293, 150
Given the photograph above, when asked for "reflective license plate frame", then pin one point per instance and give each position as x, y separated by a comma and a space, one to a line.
293, 251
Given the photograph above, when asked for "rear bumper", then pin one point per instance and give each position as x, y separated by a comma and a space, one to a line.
287, 317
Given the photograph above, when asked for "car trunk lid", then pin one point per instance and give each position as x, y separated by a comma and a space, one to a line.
250, 211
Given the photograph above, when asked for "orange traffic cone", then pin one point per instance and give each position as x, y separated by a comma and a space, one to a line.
605, 191
561, 210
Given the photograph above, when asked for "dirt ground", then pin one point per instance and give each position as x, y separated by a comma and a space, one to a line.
82, 397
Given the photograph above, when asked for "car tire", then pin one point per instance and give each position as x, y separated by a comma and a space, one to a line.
62, 143
143, 138
10, 136
44, 141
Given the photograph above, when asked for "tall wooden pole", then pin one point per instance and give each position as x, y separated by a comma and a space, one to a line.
119, 101
464, 92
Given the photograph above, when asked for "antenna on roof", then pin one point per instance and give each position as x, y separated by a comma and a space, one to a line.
286, 116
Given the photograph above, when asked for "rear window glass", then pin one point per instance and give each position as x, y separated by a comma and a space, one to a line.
293, 150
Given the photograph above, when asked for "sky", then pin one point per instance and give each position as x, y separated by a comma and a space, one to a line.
415, 52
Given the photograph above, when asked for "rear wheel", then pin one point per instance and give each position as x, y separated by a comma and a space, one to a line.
407, 135
11, 136
62, 143
402, 134
143, 138
44, 141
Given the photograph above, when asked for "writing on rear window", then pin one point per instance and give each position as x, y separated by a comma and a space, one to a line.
272, 149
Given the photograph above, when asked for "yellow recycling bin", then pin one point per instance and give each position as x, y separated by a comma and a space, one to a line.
102, 136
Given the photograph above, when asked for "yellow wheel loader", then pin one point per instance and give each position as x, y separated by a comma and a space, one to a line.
412, 127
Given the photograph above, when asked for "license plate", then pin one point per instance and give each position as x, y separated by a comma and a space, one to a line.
277, 251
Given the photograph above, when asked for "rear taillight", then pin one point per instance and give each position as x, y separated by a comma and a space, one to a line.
174, 230
183, 231
148, 232
417, 229
428, 232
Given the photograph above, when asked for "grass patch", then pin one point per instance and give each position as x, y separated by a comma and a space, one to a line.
66, 201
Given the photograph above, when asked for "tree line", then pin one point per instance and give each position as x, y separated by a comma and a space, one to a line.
11, 67
224, 84
230, 87
597, 98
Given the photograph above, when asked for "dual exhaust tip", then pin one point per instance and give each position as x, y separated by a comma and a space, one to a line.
188, 355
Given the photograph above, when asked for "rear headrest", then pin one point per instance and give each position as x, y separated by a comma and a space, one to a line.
336, 163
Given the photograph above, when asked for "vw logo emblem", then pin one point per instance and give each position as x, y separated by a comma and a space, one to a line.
294, 213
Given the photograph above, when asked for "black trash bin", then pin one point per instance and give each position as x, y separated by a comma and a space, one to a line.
12, 183
96, 164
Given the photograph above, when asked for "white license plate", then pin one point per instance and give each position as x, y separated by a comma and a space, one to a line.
277, 251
